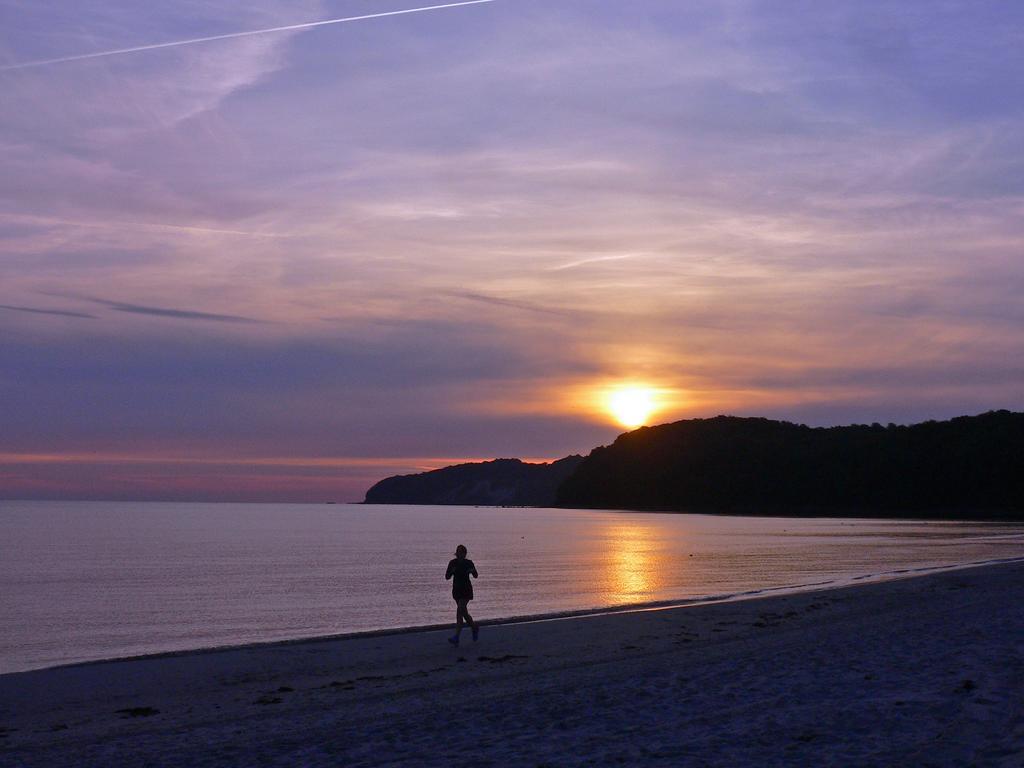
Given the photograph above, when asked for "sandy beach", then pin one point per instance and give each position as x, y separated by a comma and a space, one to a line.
920, 671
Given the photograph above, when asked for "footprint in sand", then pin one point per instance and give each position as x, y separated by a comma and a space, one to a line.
500, 659
268, 700
137, 712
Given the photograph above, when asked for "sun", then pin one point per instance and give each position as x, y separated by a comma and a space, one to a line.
632, 406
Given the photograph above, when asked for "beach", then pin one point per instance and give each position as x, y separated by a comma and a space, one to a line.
926, 670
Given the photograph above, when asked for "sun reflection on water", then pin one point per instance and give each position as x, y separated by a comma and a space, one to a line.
634, 564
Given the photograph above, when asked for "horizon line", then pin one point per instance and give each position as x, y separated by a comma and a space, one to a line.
414, 462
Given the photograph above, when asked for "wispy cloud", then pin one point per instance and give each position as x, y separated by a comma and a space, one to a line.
38, 311
180, 314
592, 260
150, 226
170, 312
499, 301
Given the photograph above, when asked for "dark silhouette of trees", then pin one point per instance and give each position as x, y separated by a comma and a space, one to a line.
971, 467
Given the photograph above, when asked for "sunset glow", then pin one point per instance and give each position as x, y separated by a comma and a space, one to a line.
230, 231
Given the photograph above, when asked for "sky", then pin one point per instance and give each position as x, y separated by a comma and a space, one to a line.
283, 266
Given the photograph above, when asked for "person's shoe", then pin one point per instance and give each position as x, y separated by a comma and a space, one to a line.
476, 634
454, 640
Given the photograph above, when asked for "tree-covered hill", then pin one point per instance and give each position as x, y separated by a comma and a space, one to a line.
968, 467
500, 482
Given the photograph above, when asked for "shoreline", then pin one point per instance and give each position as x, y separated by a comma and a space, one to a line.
659, 605
906, 671
867, 514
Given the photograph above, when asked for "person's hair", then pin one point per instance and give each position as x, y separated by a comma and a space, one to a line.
460, 551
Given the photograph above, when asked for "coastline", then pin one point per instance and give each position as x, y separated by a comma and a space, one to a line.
901, 671
960, 514
657, 605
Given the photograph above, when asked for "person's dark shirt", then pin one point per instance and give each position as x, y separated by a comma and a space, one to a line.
460, 569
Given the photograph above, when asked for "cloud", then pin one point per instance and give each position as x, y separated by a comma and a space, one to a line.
824, 205
141, 309
499, 301
58, 312
31, 222
181, 314
181, 83
592, 260
415, 390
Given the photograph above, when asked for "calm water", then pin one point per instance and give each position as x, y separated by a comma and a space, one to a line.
81, 581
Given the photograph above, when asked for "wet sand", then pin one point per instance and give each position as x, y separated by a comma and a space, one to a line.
920, 671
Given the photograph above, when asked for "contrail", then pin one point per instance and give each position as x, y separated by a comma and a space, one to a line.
232, 35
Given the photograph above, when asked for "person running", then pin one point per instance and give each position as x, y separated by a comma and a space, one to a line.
460, 569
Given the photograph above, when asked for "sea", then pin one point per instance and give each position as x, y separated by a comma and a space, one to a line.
84, 581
